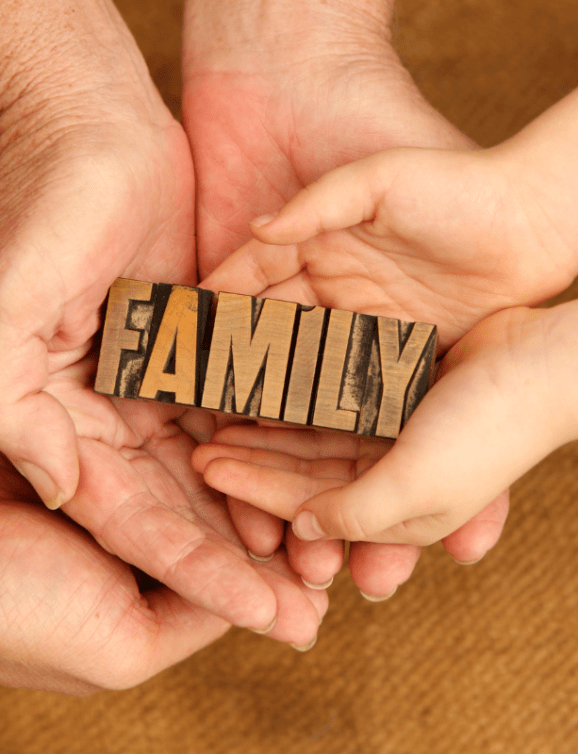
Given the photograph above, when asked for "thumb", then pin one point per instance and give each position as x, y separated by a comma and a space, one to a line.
488, 420
36, 432
39, 438
342, 198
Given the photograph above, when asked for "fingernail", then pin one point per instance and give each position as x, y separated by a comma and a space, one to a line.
306, 647
266, 629
469, 562
377, 598
326, 585
258, 222
43, 483
261, 558
306, 527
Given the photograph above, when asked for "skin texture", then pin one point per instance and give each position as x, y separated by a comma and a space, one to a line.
471, 234
73, 618
275, 95
98, 182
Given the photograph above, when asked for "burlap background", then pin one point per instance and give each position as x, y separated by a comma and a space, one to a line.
476, 659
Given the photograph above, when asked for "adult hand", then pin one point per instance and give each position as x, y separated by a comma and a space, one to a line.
98, 182
72, 617
275, 95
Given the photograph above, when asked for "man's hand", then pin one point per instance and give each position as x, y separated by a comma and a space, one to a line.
72, 617
97, 183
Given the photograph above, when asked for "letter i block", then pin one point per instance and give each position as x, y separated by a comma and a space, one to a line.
264, 358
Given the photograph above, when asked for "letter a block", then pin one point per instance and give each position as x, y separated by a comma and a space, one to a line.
264, 358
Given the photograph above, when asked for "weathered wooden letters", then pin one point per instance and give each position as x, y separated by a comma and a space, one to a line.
264, 358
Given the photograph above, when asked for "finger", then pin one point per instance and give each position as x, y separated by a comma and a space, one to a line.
47, 456
198, 424
330, 468
273, 490
344, 197
485, 423
472, 541
378, 569
316, 562
132, 521
300, 609
260, 532
253, 268
303, 443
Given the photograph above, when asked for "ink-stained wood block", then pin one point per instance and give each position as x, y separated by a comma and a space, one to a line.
305, 364
328, 412
264, 358
249, 355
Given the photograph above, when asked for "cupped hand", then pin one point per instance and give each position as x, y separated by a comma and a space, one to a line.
439, 236
98, 183
272, 101
495, 411
73, 618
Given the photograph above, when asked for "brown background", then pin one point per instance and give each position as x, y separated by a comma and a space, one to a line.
463, 659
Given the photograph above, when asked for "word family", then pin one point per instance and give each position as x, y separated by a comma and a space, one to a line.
264, 358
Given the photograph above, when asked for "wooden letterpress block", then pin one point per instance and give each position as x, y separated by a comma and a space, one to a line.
310, 331
249, 355
122, 351
152, 342
400, 370
327, 410
176, 340
261, 357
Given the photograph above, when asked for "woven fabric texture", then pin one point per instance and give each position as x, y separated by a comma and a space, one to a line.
480, 659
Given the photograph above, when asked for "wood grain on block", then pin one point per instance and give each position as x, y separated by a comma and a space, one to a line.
116, 337
304, 364
261, 357
249, 355
327, 412
356, 362
399, 362
176, 341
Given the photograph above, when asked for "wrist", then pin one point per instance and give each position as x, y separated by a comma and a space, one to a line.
285, 29
67, 62
74, 94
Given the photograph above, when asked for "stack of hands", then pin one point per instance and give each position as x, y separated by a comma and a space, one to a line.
154, 555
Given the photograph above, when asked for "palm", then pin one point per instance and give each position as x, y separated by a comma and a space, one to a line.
137, 494
73, 618
257, 138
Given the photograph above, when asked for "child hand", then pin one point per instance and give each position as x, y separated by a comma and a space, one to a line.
430, 235
496, 410
447, 237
